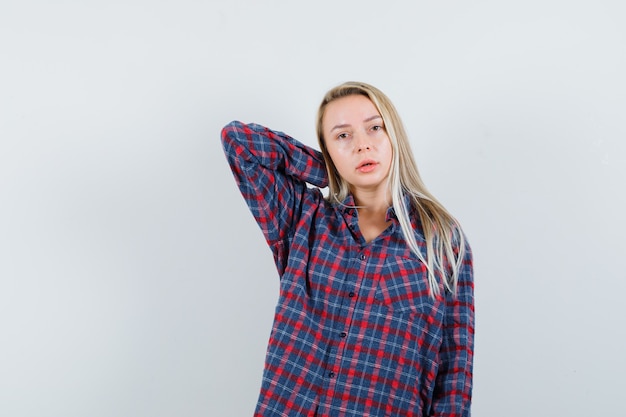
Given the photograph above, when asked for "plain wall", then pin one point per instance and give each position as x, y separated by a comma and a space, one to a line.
134, 281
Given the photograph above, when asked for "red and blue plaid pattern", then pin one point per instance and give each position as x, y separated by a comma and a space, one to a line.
355, 331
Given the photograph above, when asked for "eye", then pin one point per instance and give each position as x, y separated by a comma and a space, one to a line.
342, 136
376, 128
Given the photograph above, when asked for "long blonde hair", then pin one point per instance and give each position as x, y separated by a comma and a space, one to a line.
445, 242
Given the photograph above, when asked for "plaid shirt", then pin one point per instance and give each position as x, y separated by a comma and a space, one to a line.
355, 331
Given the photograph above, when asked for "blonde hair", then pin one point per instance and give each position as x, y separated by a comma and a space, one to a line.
445, 242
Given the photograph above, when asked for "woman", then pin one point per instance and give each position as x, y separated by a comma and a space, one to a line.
376, 313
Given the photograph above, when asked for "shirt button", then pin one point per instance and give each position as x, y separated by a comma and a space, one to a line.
343, 334
362, 257
331, 374
351, 294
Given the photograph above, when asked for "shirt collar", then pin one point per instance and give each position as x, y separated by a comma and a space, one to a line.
348, 207
391, 212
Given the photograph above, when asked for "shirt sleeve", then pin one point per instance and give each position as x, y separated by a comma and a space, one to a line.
272, 171
453, 386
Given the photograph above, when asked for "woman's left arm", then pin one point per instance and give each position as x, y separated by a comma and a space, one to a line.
453, 386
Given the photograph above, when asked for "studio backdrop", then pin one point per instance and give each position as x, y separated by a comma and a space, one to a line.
133, 279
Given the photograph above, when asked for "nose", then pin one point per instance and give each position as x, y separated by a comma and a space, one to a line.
362, 143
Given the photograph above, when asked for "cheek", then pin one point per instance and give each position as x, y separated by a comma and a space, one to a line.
388, 160
337, 156
389, 153
341, 167
333, 157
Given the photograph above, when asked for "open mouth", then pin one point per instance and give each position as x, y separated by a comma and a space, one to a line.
366, 165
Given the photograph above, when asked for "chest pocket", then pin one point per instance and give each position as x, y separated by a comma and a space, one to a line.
403, 286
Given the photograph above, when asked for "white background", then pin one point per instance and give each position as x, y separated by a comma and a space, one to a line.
133, 280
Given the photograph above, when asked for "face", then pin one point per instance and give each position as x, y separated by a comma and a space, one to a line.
356, 139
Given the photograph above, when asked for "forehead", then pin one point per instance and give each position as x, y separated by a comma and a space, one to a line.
349, 110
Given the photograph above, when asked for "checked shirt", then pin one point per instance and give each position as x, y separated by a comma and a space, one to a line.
355, 332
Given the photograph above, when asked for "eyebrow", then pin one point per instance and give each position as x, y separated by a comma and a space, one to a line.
369, 119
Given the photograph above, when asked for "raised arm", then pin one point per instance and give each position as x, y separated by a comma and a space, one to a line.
453, 387
272, 170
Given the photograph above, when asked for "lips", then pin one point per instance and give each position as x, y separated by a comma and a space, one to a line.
366, 165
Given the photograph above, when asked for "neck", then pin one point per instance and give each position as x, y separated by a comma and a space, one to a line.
372, 212
372, 201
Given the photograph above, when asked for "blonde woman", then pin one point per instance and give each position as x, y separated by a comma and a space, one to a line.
376, 311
